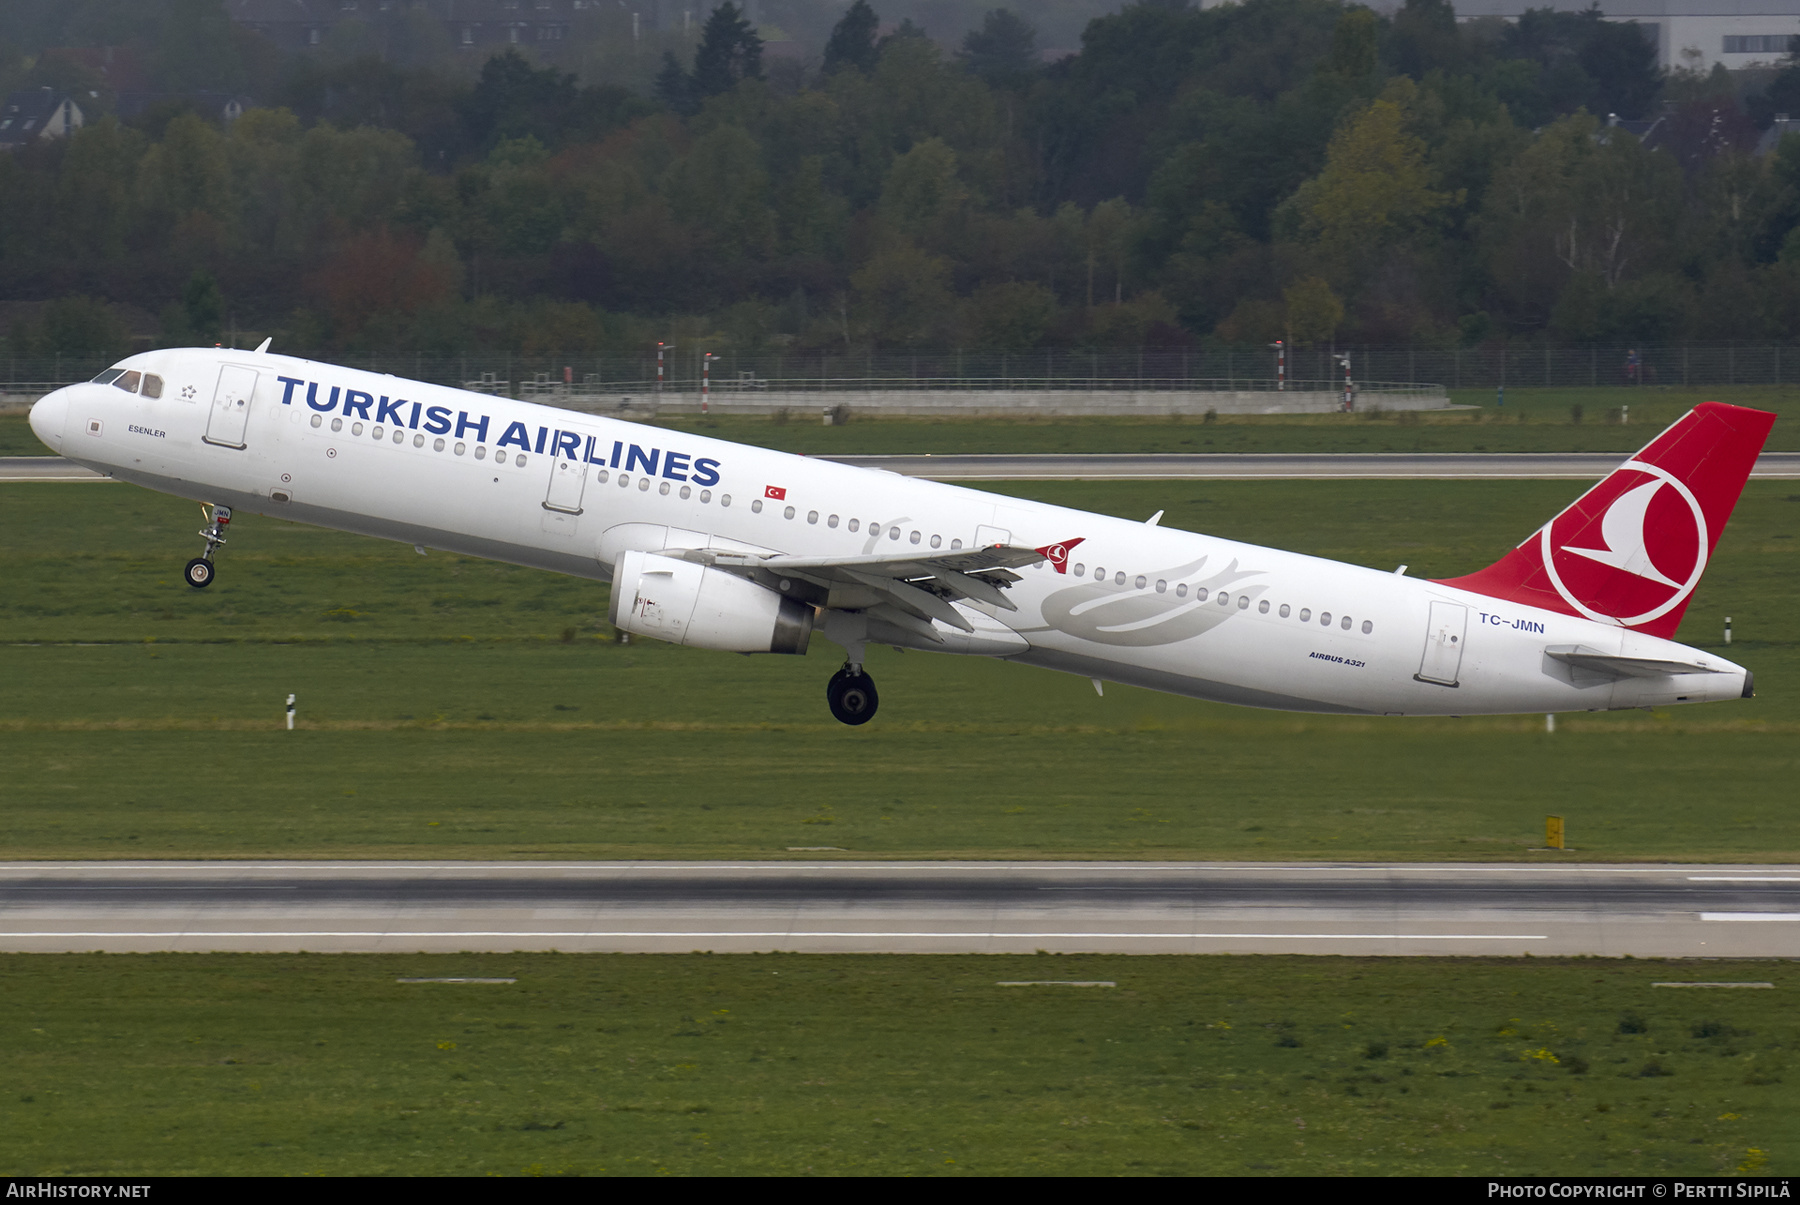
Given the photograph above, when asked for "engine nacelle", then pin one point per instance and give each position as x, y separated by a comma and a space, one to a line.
685, 603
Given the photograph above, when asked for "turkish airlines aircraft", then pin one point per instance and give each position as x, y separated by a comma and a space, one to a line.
728, 547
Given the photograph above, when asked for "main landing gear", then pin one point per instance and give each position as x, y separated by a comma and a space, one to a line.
851, 694
199, 572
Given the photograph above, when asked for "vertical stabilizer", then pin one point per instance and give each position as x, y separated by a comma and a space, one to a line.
1631, 550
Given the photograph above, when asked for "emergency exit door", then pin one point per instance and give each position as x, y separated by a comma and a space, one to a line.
230, 415
1444, 644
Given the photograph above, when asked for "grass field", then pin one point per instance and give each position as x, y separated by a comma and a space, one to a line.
1532, 420
457, 708
788, 1064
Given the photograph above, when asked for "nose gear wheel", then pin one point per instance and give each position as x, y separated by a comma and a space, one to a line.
200, 571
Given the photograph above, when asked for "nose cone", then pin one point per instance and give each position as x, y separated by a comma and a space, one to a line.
49, 416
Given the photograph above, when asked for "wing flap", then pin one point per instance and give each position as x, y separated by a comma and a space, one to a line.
920, 585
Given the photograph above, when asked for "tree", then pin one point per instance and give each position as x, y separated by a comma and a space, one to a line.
1425, 38
729, 51
202, 307
1314, 312
852, 42
1376, 189
675, 87
1003, 50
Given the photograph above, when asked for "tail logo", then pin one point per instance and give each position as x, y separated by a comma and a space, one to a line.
1636, 560
1058, 554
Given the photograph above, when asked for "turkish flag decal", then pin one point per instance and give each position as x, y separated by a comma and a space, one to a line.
775, 491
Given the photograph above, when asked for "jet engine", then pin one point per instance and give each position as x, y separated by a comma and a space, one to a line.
684, 603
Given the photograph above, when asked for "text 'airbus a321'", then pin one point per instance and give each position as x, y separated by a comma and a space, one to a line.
728, 547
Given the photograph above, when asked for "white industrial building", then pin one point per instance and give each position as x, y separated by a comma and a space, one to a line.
1692, 34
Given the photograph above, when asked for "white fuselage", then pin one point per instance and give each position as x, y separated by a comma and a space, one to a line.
1292, 632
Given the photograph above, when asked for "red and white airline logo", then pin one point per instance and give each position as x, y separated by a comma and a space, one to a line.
1634, 552
779, 493
1058, 554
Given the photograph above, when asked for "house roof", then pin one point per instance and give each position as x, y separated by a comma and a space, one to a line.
25, 114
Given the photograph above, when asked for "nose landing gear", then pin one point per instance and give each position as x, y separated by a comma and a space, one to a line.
200, 571
851, 695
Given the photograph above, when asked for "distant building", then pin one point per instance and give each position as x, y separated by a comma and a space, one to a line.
38, 113
1691, 34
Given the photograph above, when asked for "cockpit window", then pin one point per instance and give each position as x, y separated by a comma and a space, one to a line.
152, 385
109, 376
128, 382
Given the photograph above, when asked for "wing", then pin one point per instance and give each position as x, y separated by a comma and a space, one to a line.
906, 589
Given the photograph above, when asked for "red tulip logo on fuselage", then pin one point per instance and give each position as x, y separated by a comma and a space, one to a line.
1632, 550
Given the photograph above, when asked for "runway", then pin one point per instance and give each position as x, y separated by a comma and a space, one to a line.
1585, 466
906, 907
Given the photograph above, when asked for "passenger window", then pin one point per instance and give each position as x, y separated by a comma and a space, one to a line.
1099, 573
937, 541
378, 433
854, 524
1284, 610
1224, 599
128, 382
893, 533
724, 499
1367, 627
687, 491
874, 530
913, 539
356, 428
461, 448
317, 419
437, 445
1161, 586
756, 506
788, 513
152, 385
481, 454
1243, 602
1325, 619
1200, 593
602, 476
955, 545
663, 489
1141, 582
832, 522
1080, 569
1345, 624
1181, 590
500, 458
705, 497
812, 516
1262, 608
1305, 614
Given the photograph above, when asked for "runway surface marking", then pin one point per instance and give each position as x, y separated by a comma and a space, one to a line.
788, 933
1751, 916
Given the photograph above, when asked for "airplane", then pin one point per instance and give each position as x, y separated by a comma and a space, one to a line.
721, 546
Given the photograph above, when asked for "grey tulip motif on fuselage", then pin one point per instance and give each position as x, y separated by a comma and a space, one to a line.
1109, 613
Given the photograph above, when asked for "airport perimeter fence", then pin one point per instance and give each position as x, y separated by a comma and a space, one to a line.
1401, 368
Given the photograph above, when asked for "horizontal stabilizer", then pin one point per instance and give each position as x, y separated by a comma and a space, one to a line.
1616, 666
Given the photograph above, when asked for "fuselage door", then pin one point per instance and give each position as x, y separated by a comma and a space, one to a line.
1444, 644
568, 481
226, 423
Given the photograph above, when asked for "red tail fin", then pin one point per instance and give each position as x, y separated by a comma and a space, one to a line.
1631, 550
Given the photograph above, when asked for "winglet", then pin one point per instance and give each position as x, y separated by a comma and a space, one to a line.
1630, 551
1058, 554
264, 345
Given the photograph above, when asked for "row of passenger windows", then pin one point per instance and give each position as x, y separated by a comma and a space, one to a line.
1225, 598
147, 383
893, 532
379, 433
